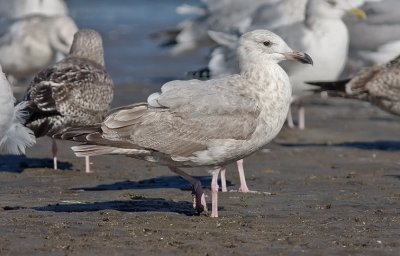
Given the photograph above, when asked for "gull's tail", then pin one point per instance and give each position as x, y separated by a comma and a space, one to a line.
18, 137
202, 74
166, 37
335, 88
95, 144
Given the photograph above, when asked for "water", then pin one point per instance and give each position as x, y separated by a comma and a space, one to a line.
131, 56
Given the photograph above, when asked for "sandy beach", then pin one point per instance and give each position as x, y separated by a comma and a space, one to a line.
334, 190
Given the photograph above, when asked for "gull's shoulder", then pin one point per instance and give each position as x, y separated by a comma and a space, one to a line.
72, 71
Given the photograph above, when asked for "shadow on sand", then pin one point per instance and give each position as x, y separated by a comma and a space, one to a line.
159, 182
374, 145
135, 205
11, 163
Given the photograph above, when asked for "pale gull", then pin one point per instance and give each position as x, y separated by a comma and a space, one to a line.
322, 33
21, 8
14, 136
31, 43
75, 91
378, 84
203, 123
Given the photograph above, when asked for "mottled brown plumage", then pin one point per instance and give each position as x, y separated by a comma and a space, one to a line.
74, 91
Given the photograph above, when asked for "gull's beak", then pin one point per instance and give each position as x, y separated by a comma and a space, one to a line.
358, 13
299, 56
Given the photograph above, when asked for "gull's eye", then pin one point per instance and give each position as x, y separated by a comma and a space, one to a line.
267, 43
332, 3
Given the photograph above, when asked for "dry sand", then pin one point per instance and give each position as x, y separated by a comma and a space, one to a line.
335, 191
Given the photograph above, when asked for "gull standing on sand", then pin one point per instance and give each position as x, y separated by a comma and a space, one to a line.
203, 123
14, 136
379, 85
322, 33
75, 91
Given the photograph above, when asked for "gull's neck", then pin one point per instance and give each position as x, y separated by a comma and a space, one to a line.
94, 54
261, 71
313, 17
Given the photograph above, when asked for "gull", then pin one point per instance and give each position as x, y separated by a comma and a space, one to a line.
75, 91
14, 136
322, 33
203, 123
378, 84
31, 43
21, 8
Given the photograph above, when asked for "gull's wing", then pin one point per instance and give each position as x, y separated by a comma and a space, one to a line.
73, 87
191, 115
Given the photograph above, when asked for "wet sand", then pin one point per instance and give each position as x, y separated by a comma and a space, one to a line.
334, 191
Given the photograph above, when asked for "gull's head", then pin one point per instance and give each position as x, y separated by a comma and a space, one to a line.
88, 44
263, 46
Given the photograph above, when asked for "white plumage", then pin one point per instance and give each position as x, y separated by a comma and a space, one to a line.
14, 136
31, 43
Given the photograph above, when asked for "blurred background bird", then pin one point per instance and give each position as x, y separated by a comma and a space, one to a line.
14, 136
33, 35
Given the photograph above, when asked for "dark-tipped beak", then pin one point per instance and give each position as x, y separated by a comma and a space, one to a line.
300, 57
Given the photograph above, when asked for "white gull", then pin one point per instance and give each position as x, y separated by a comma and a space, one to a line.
21, 8
31, 43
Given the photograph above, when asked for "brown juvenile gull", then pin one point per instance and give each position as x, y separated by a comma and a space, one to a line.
75, 91
379, 85
14, 136
203, 123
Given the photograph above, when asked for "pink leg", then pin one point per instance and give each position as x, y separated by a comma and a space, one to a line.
87, 164
302, 120
214, 193
289, 119
199, 200
54, 153
223, 180
243, 186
